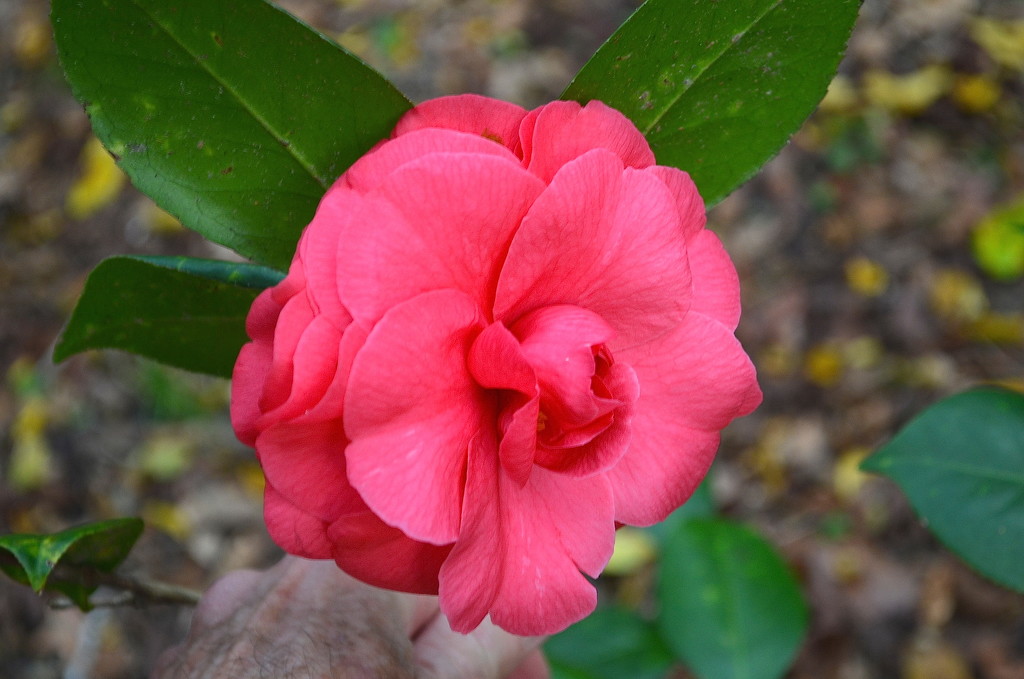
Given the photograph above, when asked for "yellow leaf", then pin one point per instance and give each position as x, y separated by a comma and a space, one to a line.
1002, 40
998, 242
634, 549
911, 93
866, 277
31, 463
847, 478
841, 96
167, 517
998, 328
32, 39
166, 456
823, 365
957, 297
976, 93
100, 182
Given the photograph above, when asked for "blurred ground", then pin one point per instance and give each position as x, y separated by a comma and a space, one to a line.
864, 302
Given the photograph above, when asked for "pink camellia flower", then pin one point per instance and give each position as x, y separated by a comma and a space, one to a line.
503, 334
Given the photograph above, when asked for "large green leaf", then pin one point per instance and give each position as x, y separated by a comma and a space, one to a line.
33, 559
730, 608
232, 115
177, 310
610, 644
718, 87
961, 464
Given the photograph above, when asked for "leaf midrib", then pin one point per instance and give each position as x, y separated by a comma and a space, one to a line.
683, 90
290, 147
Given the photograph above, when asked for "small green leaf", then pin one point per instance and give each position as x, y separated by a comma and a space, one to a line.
231, 114
718, 87
32, 559
610, 644
998, 242
730, 607
185, 315
961, 464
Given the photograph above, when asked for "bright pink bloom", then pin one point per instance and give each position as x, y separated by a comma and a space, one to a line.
502, 333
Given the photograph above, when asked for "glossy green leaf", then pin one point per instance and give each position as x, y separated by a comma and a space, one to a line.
730, 607
231, 114
34, 559
718, 87
610, 644
175, 310
961, 464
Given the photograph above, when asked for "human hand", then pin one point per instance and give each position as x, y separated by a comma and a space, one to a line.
308, 619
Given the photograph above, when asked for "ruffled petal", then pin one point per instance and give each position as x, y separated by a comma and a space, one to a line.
496, 361
532, 541
693, 382
372, 551
558, 341
562, 131
439, 222
605, 239
247, 378
490, 118
716, 285
291, 324
371, 170
306, 464
410, 411
690, 205
294, 531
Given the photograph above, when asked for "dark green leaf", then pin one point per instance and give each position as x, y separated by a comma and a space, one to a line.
102, 546
173, 315
242, 275
610, 644
232, 115
730, 607
961, 464
718, 87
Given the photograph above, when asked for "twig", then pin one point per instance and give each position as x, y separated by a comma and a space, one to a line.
135, 591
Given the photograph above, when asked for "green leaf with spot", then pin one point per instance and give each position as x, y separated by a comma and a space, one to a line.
717, 87
730, 607
961, 464
189, 313
231, 114
63, 562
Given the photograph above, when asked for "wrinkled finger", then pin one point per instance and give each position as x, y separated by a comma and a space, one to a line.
488, 652
167, 663
223, 598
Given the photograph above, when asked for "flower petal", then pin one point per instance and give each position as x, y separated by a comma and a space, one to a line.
371, 170
314, 366
306, 464
716, 285
490, 118
443, 221
496, 361
410, 411
372, 551
294, 531
605, 239
532, 541
561, 131
693, 382
692, 216
247, 378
